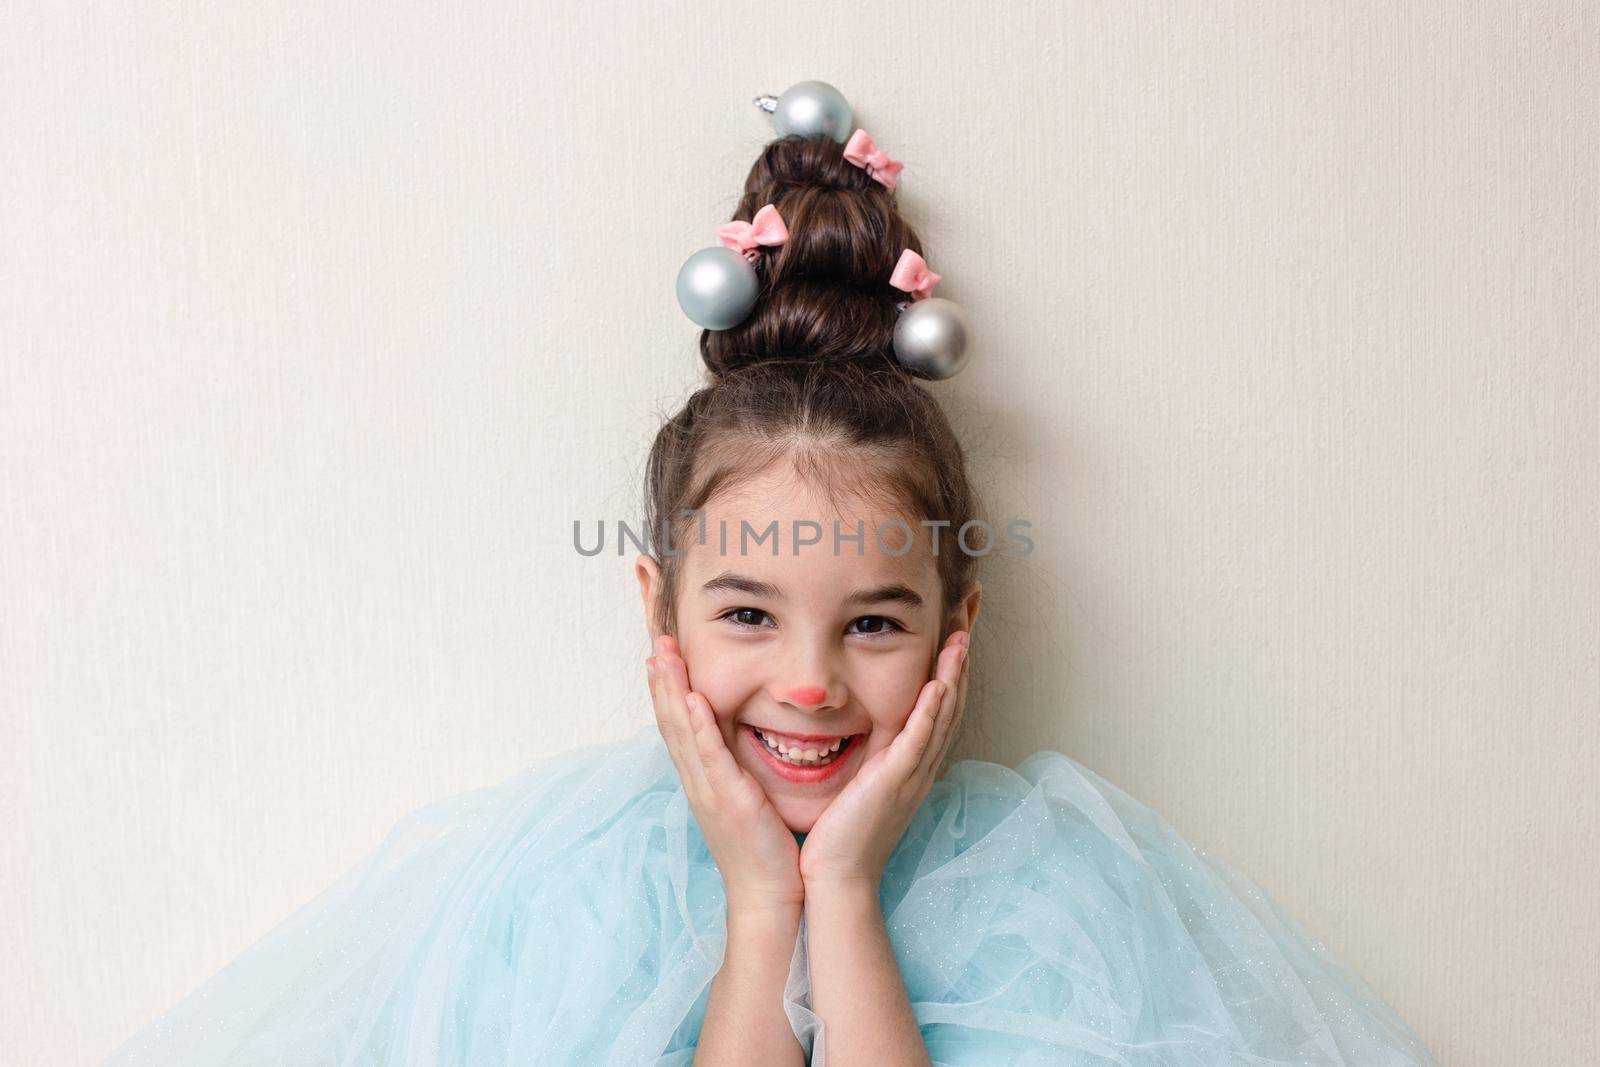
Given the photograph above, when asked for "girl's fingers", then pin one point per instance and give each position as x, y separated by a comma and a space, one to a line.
669, 734
703, 738
672, 715
952, 669
675, 687
966, 672
912, 743
669, 710
917, 735
950, 715
715, 758
714, 770
658, 701
673, 728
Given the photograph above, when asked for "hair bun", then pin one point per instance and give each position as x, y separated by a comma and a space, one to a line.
824, 293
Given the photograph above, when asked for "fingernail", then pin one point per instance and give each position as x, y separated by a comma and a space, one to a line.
651, 664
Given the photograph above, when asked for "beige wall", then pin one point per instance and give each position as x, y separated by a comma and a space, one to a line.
318, 327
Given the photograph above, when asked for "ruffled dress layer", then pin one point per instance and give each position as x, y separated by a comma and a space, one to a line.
572, 914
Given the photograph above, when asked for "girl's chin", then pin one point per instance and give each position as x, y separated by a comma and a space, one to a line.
801, 815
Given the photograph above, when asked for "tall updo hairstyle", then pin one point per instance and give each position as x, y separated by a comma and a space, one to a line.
810, 376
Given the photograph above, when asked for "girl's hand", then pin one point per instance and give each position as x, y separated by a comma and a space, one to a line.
853, 837
751, 844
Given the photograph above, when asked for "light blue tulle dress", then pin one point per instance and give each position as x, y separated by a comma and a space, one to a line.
572, 915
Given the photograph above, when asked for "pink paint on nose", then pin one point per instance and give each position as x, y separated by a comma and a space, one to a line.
808, 694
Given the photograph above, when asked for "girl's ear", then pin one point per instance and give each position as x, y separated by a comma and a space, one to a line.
649, 575
966, 612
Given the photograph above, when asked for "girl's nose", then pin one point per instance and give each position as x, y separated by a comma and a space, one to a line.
807, 677
807, 695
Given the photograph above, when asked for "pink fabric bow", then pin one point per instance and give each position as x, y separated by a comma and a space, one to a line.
746, 237
912, 275
861, 151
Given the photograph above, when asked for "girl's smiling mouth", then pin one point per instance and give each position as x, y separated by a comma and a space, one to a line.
808, 764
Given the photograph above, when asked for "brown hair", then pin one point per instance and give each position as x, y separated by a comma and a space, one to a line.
810, 377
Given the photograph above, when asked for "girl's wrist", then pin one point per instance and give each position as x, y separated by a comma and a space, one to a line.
757, 913
761, 937
841, 891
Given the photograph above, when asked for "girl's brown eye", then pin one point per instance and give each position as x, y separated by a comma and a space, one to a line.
889, 625
747, 617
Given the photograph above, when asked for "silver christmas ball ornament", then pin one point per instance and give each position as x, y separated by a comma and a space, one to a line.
811, 108
717, 287
930, 338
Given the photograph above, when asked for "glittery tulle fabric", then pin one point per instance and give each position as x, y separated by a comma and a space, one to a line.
572, 915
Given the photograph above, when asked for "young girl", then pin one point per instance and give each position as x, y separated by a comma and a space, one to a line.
774, 872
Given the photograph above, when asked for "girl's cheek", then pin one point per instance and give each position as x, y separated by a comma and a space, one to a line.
892, 706
724, 699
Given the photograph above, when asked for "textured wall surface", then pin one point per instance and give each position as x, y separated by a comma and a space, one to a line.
320, 324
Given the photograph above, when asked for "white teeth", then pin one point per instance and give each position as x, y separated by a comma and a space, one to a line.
801, 756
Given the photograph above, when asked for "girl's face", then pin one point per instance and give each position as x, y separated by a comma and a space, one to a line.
821, 643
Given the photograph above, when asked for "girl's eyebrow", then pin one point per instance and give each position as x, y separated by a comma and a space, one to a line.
894, 591
738, 583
